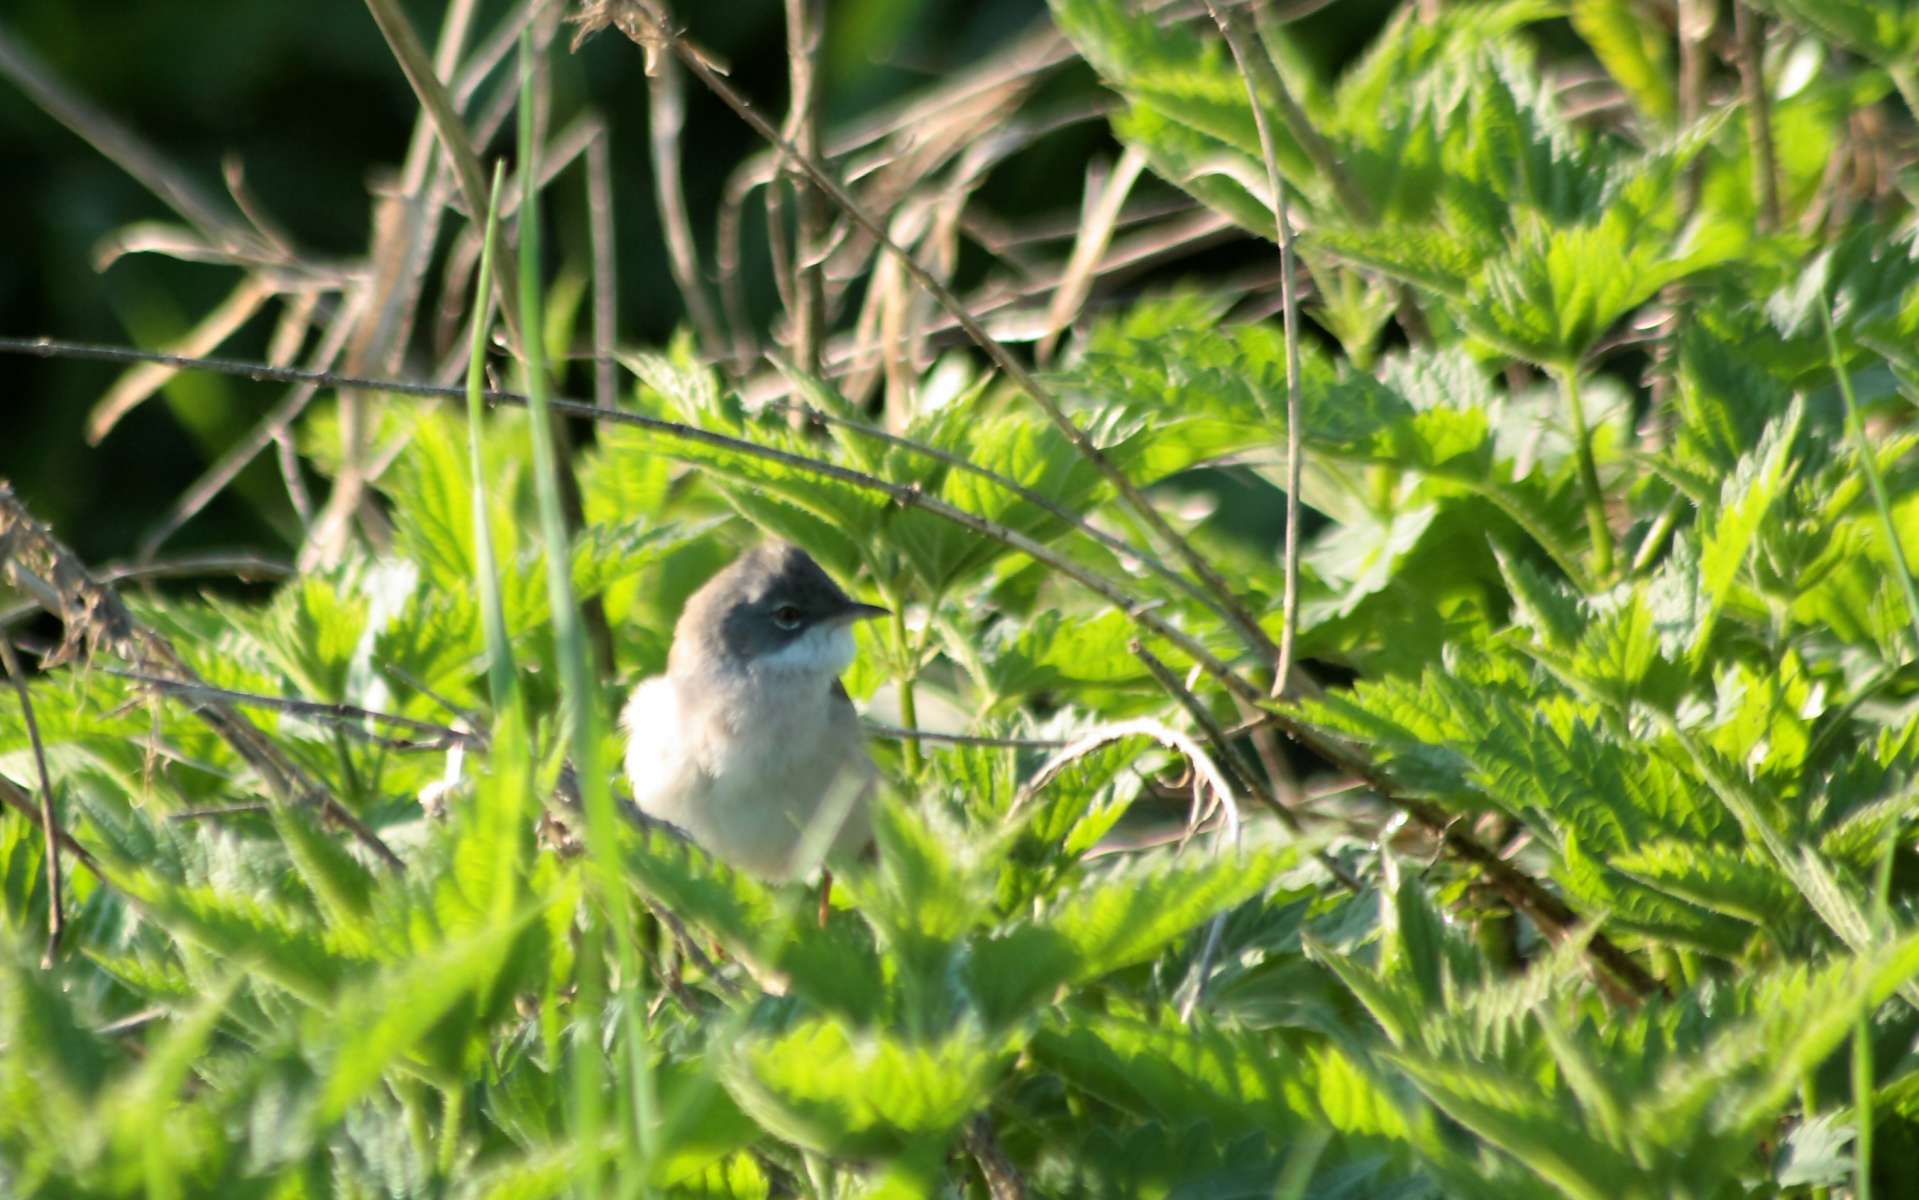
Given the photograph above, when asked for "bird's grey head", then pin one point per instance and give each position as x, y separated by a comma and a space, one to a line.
771, 610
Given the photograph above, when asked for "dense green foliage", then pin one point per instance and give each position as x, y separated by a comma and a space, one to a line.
1644, 625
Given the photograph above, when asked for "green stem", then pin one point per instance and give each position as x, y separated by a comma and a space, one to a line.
1862, 1105
909, 705
1588, 474
451, 1117
1870, 465
579, 690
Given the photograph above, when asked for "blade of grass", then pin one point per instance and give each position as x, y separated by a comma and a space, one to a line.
499, 652
577, 686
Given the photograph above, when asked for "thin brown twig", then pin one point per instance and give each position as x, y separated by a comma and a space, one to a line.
269, 429
443, 735
1044, 503
422, 76
23, 804
49, 818
1140, 613
1003, 1179
219, 813
1554, 916
896, 733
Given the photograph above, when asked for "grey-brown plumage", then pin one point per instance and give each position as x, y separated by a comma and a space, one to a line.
748, 742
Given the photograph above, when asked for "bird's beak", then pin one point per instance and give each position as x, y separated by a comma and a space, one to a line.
860, 612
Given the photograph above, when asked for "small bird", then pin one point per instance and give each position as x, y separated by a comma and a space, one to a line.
749, 739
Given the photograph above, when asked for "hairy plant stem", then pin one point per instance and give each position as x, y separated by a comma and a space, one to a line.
1750, 37
1588, 473
1235, 30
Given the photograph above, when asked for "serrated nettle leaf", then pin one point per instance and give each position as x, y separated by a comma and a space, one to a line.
374, 1034
928, 889
282, 948
52, 1053
1547, 607
1022, 448
1079, 805
1719, 879
1632, 52
1115, 919
1059, 652
1189, 111
1508, 1113
844, 1091
1744, 501
1273, 1083
1408, 726
1411, 938
1794, 1018
837, 967
1763, 718
1595, 885
1724, 401
341, 884
833, 520
432, 496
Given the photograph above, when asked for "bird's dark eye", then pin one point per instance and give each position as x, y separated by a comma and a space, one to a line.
786, 617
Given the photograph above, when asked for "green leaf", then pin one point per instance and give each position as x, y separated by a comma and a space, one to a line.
1886, 31
1275, 1083
375, 1033
837, 967
1744, 501
1120, 918
1632, 51
343, 887
279, 946
846, 1092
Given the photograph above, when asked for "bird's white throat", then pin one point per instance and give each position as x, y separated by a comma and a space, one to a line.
825, 649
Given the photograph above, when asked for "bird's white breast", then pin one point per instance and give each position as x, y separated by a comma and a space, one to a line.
748, 763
